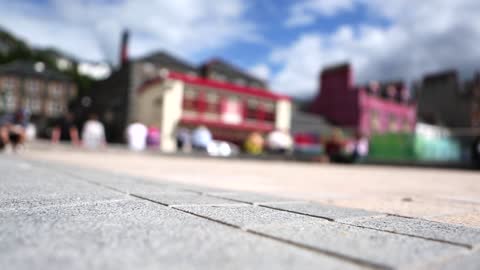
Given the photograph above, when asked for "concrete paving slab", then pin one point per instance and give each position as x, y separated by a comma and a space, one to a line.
423, 228
469, 219
323, 210
468, 261
25, 185
407, 206
186, 198
379, 248
252, 198
135, 234
132, 184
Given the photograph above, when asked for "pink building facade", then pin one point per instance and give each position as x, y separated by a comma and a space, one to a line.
372, 109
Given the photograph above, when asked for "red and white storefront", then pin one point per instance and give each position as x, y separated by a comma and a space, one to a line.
231, 112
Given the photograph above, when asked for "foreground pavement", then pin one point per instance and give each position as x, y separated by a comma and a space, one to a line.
450, 196
56, 216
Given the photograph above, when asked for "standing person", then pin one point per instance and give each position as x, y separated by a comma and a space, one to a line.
4, 138
137, 136
254, 143
335, 145
65, 130
16, 126
201, 138
93, 133
476, 151
184, 140
153, 136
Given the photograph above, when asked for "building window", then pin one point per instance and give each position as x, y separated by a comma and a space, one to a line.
251, 110
406, 126
55, 90
392, 123
34, 105
54, 108
32, 88
189, 97
213, 102
8, 100
8, 83
201, 102
269, 112
375, 122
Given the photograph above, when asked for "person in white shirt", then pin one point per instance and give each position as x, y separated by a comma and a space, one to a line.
137, 136
201, 138
93, 133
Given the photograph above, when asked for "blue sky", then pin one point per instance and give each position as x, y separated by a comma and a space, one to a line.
285, 42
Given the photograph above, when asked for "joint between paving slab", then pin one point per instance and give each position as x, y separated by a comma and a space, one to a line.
354, 260
467, 246
229, 199
298, 213
251, 203
211, 204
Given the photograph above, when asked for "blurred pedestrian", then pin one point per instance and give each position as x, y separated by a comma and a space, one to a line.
279, 142
93, 133
4, 138
335, 146
201, 138
254, 143
65, 130
137, 136
184, 140
153, 137
476, 152
16, 125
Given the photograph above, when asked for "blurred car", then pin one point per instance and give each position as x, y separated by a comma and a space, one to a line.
307, 145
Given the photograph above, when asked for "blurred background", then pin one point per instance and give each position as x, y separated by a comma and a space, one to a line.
346, 81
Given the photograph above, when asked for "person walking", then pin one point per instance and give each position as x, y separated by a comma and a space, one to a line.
65, 130
137, 136
93, 133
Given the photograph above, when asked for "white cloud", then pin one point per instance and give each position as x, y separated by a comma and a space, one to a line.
91, 29
305, 12
261, 71
422, 37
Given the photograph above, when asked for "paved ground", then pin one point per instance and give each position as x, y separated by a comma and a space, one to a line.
451, 196
55, 216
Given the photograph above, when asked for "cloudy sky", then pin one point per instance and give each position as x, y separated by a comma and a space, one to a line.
286, 42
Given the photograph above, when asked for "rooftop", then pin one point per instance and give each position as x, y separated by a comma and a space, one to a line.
222, 64
164, 58
27, 68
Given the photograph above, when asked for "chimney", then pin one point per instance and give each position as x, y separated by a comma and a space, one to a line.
124, 48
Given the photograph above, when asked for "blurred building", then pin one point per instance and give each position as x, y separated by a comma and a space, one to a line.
231, 112
219, 70
162, 90
444, 100
475, 109
44, 93
370, 109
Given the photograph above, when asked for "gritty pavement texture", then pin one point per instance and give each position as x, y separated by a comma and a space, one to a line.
56, 216
450, 196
